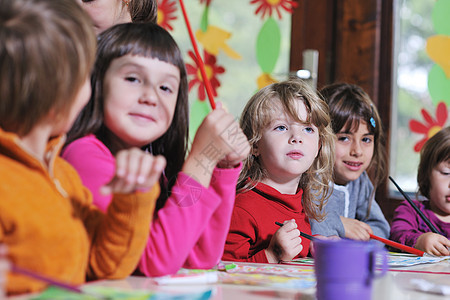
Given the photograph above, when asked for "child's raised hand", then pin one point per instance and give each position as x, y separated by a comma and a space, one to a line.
218, 137
285, 244
356, 230
433, 243
135, 170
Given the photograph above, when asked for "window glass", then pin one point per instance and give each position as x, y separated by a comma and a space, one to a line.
420, 83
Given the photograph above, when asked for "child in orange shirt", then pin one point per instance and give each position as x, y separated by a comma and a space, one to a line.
48, 222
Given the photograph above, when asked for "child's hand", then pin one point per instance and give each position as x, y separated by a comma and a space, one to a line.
356, 230
4, 268
135, 170
285, 243
218, 137
433, 243
321, 237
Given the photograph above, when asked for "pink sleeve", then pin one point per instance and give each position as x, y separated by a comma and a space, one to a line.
94, 163
209, 249
177, 227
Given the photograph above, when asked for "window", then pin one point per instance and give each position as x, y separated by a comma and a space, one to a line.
418, 84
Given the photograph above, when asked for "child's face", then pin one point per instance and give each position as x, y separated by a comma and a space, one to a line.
140, 95
440, 188
105, 13
288, 148
354, 151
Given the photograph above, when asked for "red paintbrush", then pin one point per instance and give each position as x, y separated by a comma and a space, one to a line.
400, 246
200, 63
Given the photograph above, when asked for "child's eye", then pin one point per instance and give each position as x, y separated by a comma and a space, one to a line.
367, 140
131, 79
166, 89
342, 138
281, 128
309, 129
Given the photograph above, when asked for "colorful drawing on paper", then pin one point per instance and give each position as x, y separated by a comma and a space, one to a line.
275, 276
99, 292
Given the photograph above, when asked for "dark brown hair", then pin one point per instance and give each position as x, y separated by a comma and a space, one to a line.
433, 152
47, 49
349, 105
148, 40
143, 11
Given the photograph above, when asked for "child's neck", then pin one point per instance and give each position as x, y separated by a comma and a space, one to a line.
111, 141
35, 142
444, 217
288, 187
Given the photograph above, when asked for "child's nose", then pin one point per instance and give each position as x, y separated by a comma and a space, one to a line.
356, 149
148, 96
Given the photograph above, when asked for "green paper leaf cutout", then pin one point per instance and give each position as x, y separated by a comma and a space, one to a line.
438, 85
199, 110
440, 17
204, 22
268, 45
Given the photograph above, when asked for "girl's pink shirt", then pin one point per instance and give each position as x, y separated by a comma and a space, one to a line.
189, 231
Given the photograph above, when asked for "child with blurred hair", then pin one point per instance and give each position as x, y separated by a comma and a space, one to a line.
359, 166
292, 147
140, 99
433, 177
48, 221
107, 13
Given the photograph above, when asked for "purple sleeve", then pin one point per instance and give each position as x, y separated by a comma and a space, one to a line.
209, 249
405, 226
94, 163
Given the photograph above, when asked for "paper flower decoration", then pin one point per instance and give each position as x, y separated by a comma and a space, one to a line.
215, 39
267, 7
212, 70
430, 126
166, 13
264, 80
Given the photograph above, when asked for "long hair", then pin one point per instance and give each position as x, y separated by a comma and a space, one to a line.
350, 105
433, 152
148, 40
258, 114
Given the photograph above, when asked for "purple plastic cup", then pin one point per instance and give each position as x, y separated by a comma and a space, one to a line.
345, 268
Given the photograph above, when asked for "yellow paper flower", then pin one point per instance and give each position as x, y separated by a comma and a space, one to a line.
264, 80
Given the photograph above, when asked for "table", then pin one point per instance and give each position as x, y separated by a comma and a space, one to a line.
395, 285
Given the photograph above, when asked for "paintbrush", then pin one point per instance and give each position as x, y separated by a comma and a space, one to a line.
200, 63
53, 282
305, 235
400, 246
424, 218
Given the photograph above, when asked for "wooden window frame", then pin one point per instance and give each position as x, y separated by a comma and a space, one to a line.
355, 43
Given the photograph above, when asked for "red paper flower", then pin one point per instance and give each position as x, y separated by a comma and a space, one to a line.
268, 6
208, 2
166, 13
212, 70
430, 126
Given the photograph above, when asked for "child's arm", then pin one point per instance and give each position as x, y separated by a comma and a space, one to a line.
407, 227
209, 249
218, 138
119, 237
355, 229
376, 220
433, 243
